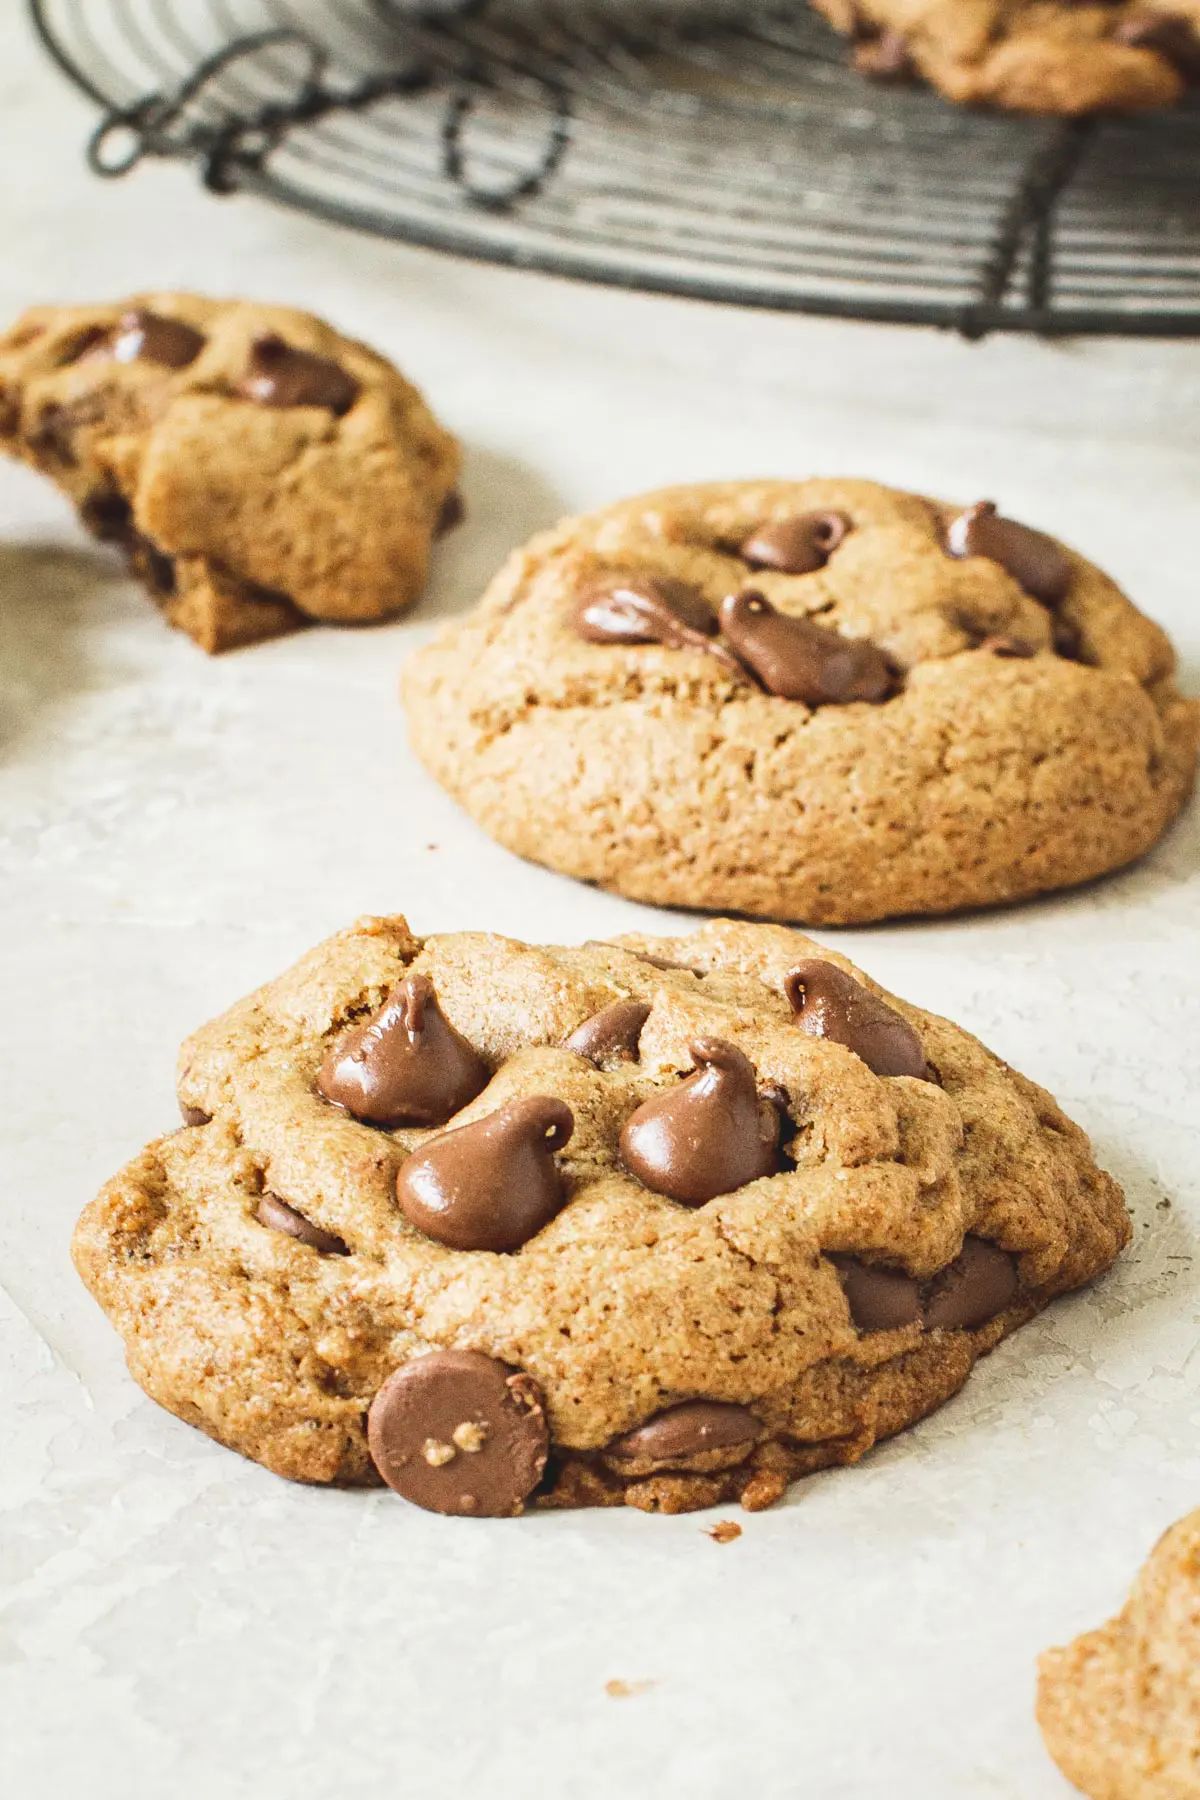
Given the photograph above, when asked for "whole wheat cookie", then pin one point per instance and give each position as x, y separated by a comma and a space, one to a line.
1032, 56
258, 469
1120, 1707
817, 700
660, 1222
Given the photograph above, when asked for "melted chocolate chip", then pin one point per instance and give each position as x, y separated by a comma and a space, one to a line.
612, 1034
278, 374
797, 660
707, 1136
142, 336
796, 546
491, 1185
193, 1115
828, 1003
644, 609
879, 1299
689, 1430
405, 1065
978, 1284
1033, 560
277, 1215
458, 1432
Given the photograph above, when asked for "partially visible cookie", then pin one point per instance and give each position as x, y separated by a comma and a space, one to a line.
258, 469
1034, 56
1120, 1707
656, 1222
816, 700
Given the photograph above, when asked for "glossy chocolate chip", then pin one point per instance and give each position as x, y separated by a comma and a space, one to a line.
278, 374
277, 1215
644, 609
491, 1185
1033, 560
193, 1115
879, 1299
612, 1034
142, 336
797, 660
706, 1136
828, 1003
689, 1430
796, 546
978, 1284
458, 1432
405, 1065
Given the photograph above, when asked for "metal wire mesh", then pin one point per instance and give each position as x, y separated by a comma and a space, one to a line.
705, 147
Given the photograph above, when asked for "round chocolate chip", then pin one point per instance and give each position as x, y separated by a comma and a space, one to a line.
143, 336
828, 1003
277, 1215
491, 1185
879, 1299
707, 1136
458, 1432
612, 1034
644, 609
797, 660
689, 1430
978, 1284
278, 374
797, 545
405, 1065
1033, 560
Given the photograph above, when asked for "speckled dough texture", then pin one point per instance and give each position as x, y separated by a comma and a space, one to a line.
1036, 56
657, 773
245, 521
1120, 1707
626, 1302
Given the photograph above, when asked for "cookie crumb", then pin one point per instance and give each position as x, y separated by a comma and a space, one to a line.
436, 1453
625, 1690
723, 1532
469, 1436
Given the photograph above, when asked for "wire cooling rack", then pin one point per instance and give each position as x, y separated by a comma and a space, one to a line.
714, 148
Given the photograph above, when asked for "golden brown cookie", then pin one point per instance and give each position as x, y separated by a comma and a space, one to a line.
816, 700
1033, 56
258, 469
1120, 1707
681, 1219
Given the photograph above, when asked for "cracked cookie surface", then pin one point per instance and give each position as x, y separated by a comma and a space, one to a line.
1036, 56
258, 469
1023, 743
1120, 1707
280, 1268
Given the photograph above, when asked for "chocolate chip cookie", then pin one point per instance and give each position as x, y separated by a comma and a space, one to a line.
648, 1222
815, 700
1120, 1707
1033, 56
258, 469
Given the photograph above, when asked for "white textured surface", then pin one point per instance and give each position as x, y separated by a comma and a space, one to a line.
173, 830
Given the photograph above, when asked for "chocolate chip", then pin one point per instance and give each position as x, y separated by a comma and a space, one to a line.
193, 1115
108, 516
1068, 641
709, 1135
1008, 647
405, 1065
879, 1299
689, 1430
491, 1185
978, 1284
611, 1035
142, 336
1033, 560
458, 1432
452, 513
277, 1215
797, 660
828, 1003
885, 58
644, 609
798, 545
280, 375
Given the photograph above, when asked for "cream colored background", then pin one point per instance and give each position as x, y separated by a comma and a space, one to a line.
174, 830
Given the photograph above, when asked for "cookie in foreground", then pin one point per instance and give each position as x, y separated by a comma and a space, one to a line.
258, 469
1120, 1707
1030, 56
823, 701
661, 1222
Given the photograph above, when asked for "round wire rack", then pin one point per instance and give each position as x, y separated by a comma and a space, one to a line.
715, 148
